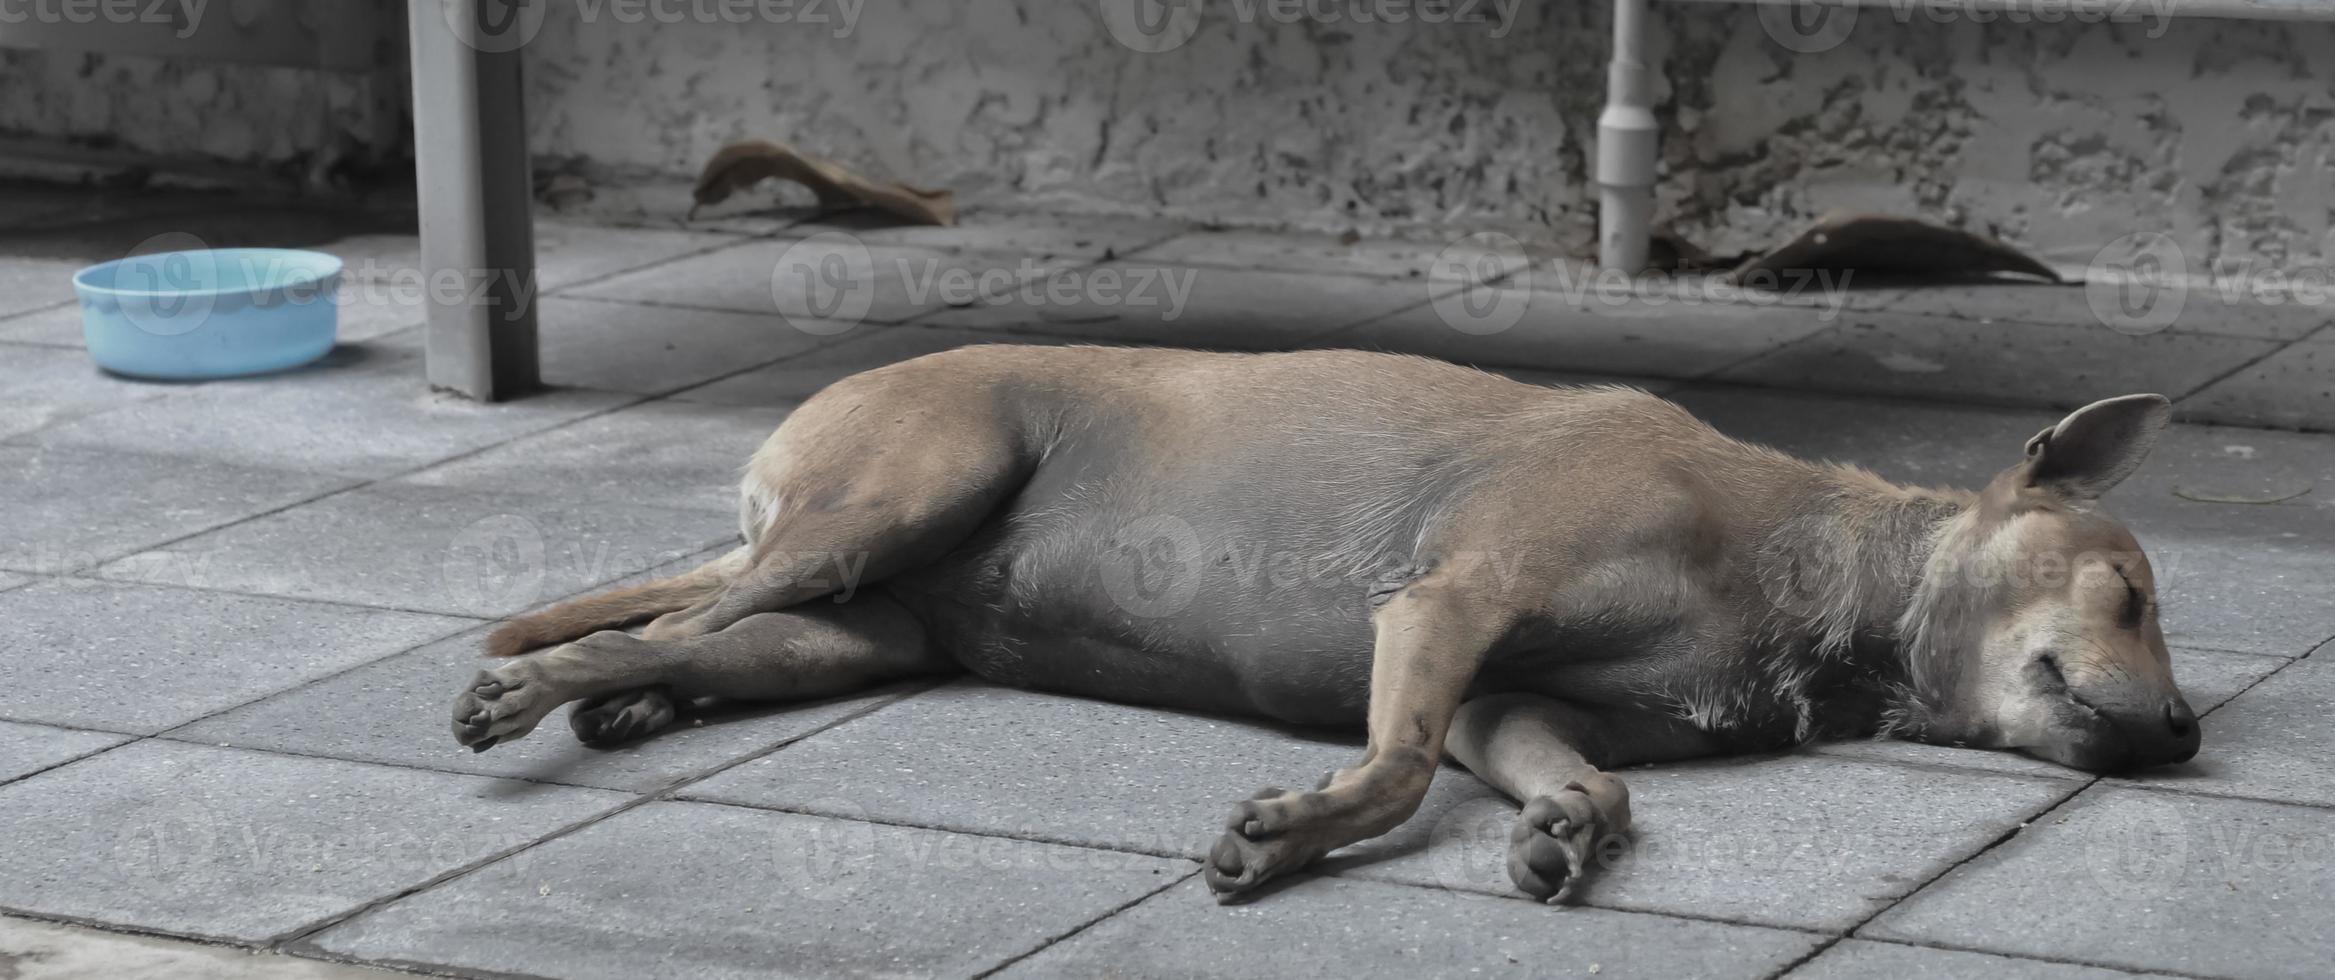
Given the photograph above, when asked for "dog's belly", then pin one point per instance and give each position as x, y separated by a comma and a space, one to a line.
1128, 574
1119, 622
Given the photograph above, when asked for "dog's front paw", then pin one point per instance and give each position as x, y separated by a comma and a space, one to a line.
498, 706
1263, 839
1550, 848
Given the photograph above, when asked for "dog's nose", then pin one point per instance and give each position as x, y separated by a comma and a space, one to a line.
2178, 718
2174, 740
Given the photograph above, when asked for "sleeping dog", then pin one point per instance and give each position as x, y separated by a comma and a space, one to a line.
1545, 584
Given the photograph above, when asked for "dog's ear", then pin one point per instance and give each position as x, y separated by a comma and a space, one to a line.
2096, 446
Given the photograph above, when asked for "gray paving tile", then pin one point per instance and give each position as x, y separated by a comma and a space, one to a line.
1034, 766
74, 508
1062, 237
1138, 300
139, 658
45, 386
50, 951
9, 581
827, 282
440, 549
2273, 742
55, 326
1799, 841
228, 844
32, 283
1343, 928
395, 711
2069, 304
566, 253
2208, 679
370, 310
711, 891
665, 454
1550, 330
1857, 959
1947, 756
2002, 363
651, 349
1383, 258
2242, 587
2293, 388
367, 412
27, 749
788, 382
2144, 881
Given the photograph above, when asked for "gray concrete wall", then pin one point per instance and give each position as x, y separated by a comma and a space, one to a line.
2061, 136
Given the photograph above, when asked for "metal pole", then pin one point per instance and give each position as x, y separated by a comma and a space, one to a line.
470, 167
1626, 146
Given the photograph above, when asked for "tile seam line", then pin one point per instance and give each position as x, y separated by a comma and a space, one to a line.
91, 754
2063, 961
1828, 330
755, 751
2005, 837
164, 935
676, 796
1112, 913
1321, 336
302, 935
735, 240
30, 312
2235, 371
1645, 910
94, 579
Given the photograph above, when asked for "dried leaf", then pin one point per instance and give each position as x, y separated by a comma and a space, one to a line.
741, 165
1902, 246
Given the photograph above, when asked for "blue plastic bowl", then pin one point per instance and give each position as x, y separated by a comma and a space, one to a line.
210, 313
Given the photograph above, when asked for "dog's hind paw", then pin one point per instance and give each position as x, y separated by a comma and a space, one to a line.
497, 707
620, 718
1550, 848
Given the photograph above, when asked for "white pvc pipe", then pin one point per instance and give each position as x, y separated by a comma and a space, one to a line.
1626, 146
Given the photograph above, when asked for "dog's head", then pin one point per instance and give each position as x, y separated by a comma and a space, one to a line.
2035, 625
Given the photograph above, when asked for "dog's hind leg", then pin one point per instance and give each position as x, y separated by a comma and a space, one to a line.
1431, 638
811, 652
880, 473
1550, 756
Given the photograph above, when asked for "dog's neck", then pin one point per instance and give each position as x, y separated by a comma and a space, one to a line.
1844, 569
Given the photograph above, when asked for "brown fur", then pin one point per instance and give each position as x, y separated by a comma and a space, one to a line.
578, 618
1544, 584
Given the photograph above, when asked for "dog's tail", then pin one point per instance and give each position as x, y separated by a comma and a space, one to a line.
579, 618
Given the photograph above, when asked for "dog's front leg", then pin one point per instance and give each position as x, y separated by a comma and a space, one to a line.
1546, 754
1431, 638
